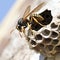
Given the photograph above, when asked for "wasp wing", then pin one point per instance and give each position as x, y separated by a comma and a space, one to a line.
27, 11
36, 9
39, 7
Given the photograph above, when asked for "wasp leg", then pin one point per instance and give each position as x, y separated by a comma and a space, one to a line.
39, 16
23, 29
29, 25
29, 30
37, 21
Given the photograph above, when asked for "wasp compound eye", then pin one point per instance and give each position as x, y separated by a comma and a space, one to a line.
19, 24
18, 27
47, 17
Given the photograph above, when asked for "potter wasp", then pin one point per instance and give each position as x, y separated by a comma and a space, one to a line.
36, 21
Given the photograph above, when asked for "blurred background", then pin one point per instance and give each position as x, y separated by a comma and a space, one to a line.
5, 6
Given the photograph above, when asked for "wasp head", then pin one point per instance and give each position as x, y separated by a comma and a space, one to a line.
21, 23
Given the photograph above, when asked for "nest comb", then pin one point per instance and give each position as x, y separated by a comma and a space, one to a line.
46, 40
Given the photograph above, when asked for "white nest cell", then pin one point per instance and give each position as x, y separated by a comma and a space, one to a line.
54, 26
38, 38
46, 33
54, 35
47, 41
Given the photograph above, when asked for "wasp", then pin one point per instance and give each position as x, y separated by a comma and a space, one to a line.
36, 21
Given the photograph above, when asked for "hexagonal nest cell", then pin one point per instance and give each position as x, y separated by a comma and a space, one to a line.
45, 32
54, 25
54, 34
49, 48
57, 48
46, 40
